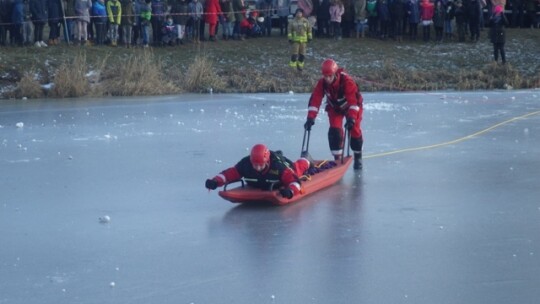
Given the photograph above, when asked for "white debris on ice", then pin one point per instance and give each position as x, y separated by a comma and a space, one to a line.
19, 124
105, 219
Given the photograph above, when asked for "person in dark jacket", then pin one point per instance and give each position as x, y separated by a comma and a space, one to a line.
38, 9
461, 20
266, 170
17, 18
497, 33
6, 7
54, 9
179, 12
473, 17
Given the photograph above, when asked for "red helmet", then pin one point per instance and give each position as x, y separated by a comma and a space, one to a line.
259, 157
329, 67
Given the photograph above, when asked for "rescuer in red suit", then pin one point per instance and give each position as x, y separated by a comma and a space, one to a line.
343, 100
265, 169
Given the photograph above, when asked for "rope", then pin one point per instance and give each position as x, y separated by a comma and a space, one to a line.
455, 141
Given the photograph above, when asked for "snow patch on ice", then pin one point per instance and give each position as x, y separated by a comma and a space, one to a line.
380, 106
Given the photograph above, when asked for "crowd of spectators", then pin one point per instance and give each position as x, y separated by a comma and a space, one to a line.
172, 22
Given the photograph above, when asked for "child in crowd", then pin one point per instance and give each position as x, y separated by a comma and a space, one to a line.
114, 12
168, 32
336, 11
99, 15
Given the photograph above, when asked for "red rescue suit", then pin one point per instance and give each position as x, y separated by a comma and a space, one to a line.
343, 99
280, 172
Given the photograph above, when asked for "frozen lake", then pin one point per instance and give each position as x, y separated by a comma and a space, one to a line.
446, 209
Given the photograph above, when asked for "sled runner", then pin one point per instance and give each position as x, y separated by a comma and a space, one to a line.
324, 174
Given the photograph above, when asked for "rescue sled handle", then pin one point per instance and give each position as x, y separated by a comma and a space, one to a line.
225, 186
348, 140
243, 184
305, 144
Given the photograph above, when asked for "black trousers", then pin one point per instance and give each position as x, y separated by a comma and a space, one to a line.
498, 48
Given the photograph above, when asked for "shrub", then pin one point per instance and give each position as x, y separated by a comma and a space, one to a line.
70, 79
29, 86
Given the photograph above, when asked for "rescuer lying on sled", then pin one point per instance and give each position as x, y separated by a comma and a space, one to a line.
265, 169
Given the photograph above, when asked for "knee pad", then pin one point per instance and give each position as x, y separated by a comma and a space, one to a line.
356, 144
335, 139
301, 58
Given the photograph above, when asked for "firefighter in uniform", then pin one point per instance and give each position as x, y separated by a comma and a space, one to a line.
299, 34
343, 100
265, 169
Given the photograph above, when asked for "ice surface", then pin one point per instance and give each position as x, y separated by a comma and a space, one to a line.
451, 223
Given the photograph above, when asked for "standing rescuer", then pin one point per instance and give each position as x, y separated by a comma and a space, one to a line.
299, 34
343, 100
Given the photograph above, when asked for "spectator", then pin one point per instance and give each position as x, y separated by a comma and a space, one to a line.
461, 20
347, 19
99, 15
426, 16
159, 10
128, 19
398, 9
413, 13
449, 15
265, 8
69, 14
306, 6
227, 20
373, 18
360, 17
336, 11
179, 12
283, 12
438, 20
6, 7
28, 29
169, 32
114, 13
239, 11
518, 7
497, 24
38, 9
55, 17
383, 12
195, 12
144, 12
213, 10
249, 27
473, 11
17, 18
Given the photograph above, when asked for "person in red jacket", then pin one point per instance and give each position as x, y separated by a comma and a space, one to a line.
427, 10
212, 12
265, 169
343, 100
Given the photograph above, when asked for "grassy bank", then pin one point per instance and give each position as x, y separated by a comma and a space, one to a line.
260, 65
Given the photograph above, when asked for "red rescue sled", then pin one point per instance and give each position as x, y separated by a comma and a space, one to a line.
313, 183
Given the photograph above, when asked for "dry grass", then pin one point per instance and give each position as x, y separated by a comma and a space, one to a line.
29, 86
201, 77
260, 65
70, 79
141, 74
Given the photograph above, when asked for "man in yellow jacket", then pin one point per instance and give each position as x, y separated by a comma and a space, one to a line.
299, 34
